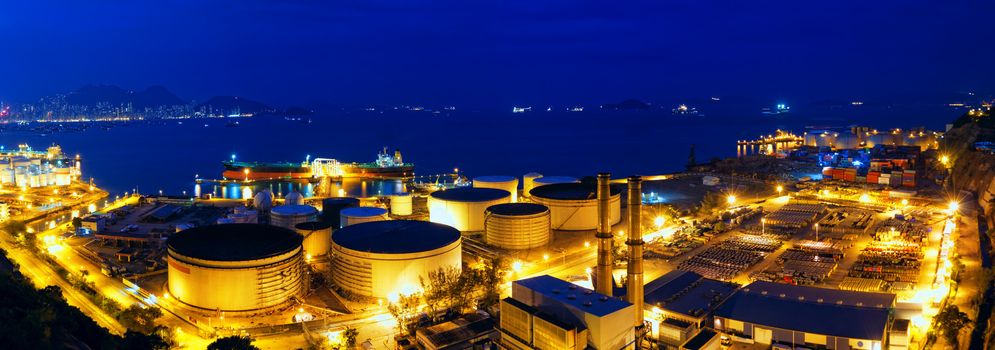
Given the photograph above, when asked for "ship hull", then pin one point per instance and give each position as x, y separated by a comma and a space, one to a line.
270, 171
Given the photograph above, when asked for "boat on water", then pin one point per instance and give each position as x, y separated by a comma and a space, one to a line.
778, 109
684, 109
386, 166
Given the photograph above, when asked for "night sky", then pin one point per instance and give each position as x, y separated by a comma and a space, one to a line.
499, 53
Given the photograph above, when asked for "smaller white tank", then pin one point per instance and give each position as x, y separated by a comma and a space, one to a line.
400, 204
263, 201
507, 183
287, 216
294, 198
549, 180
528, 182
358, 215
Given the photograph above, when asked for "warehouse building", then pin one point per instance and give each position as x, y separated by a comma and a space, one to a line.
548, 313
772, 313
235, 267
680, 303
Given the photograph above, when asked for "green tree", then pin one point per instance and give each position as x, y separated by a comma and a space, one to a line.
139, 341
350, 335
140, 319
710, 202
491, 279
437, 288
950, 321
77, 222
404, 309
234, 342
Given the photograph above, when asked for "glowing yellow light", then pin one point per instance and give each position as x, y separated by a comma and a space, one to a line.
905, 202
944, 159
864, 198
545, 257
587, 244
587, 271
780, 189
658, 222
393, 297
954, 206
731, 199
516, 266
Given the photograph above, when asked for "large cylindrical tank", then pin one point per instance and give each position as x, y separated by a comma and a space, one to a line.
517, 226
235, 267
463, 208
507, 183
317, 237
287, 216
331, 209
528, 182
386, 258
400, 204
574, 206
358, 215
549, 180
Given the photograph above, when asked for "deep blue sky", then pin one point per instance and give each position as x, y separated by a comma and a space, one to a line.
498, 53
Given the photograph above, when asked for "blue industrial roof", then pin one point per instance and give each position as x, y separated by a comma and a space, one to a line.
395, 236
686, 292
836, 296
700, 340
471, 194
808, 315
573, 295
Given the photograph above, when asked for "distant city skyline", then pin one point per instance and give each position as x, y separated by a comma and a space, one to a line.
495, 55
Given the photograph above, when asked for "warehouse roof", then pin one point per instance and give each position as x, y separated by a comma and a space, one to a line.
471, 194
834, 296
687, 293
570, 191
233, 242
805, 315
395, 236
700, 340
575, 296
517, 209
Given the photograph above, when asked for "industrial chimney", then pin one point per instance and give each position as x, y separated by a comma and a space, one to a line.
634, 284
603, 276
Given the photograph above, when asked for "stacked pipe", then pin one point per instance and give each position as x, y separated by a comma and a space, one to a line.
603, 275
634, 284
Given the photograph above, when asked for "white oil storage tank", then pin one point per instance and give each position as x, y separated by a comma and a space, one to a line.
383, 259
574, 206
317, 237
235, 267
463, 208
517, 226
400, 204
528, 182
358, 215
507, 183
287, 216
549, 180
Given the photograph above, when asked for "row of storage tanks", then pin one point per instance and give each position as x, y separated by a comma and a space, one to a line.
30, 172
556, 203
241, 267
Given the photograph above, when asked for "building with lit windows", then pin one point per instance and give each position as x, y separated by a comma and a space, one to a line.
548, 313
810, 317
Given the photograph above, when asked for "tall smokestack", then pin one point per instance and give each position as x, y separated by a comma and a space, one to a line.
604, 273
634, 285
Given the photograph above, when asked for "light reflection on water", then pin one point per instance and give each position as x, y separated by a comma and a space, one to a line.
345, 187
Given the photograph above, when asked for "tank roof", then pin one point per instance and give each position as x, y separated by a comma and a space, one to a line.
340, 201
471, 194
495, 178
313, 225
294, 210
556, 179
395, 236
234, 242
570, 191
517, 209
363, 211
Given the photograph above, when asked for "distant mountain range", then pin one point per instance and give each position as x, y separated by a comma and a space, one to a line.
159, 96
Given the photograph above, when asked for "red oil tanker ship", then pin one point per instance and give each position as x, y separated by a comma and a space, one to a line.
386, 166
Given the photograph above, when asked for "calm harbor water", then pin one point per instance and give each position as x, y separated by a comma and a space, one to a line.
167, 156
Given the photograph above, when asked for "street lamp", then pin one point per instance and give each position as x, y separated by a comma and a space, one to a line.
763, 225
246, 171
817, 231
731, 199
780, 189
954, 206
